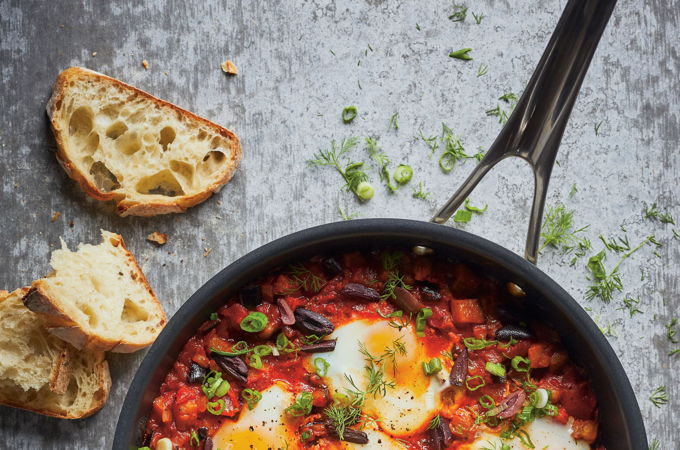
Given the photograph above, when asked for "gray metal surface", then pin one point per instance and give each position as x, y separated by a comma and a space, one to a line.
300, 63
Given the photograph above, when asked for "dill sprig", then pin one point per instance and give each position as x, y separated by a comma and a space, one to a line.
621, 246
558, 228
459, 13
346, 215
435, 422
430, 141
501, 113
420, 193
478, 18
342, 417
382, 160
605, 283
394, 121
653, 213
394, 280
453, 150
670, 331
305, 279
400, 322
351, 172
482, 70
631, 304
659, 396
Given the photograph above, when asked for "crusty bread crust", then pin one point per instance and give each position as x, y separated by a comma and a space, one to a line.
60, 377
60, 324
99, 399
133, 207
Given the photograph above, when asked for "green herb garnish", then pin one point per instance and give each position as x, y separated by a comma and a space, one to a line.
659, 397
349, 113
252, 397
482, 70
254, 322
382, 160
356, 180
394, 121
653, 213
464, 215
462, 54
302, 405
420, 193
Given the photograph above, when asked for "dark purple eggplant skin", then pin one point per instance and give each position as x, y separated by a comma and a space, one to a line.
310, 322
441, 435
202, 433
287, 316
513, 332
460, 369
232, 365
350, 435
325, 346
406, 301
196, 373
208, 444
331, 266
356, 291
429, 292
250, 296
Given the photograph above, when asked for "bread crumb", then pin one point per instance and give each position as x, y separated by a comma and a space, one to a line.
94, 53
158, 238
145, 63
55, 216
207, 251
71, 223
229, 67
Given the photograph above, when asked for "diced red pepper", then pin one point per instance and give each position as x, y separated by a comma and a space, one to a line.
466, 311
539, 355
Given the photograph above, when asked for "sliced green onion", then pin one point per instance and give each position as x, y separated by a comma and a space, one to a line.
217, 407
520, 364
432, 367
475, 386
402, 174
477, 344
251, 396
255, 361
487, 402
262, 350
421, 321
495, 369
302, 405
305, 435
397, 313
539, 398
311, 339
222, 388
461, 54
365, 191
254, 322
321, 366
283, 344
240, 348
349, 113
551, 410
214, 316
211, 383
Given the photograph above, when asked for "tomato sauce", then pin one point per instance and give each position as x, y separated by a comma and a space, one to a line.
470, 315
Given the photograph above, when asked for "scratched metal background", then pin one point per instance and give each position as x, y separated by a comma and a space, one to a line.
300, 62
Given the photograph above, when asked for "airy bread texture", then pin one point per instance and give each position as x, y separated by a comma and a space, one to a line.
98, 298
123, 144
42, 373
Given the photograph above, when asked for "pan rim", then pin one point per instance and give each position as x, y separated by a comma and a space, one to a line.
405, 228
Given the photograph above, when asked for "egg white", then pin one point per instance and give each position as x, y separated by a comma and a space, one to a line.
262, 428
413, 402
544, 433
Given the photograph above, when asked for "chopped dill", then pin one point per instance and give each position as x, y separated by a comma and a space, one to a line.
653, 213
482, 70
459, 13
659, 396
347, 216
430, 141
351, 172
420, 193
478, 18
670, 331
305, 279
453, 150
394, 121
558, 228
382, 160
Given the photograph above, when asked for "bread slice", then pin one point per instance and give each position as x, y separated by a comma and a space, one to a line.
97, 298
40, 372
123, 144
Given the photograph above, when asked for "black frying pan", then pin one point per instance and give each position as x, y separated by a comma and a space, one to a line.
532, 133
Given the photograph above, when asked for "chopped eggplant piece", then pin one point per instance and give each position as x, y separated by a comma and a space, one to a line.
441, 435
232, 365
512, 332
460, 369
207, 326
208, 444
331, 266
310, 322
356, 291
250, 296
320, 346
406, 301
287, 316
349, 435
196, 373
202, 433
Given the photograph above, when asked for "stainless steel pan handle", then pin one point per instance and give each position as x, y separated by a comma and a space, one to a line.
535, 127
